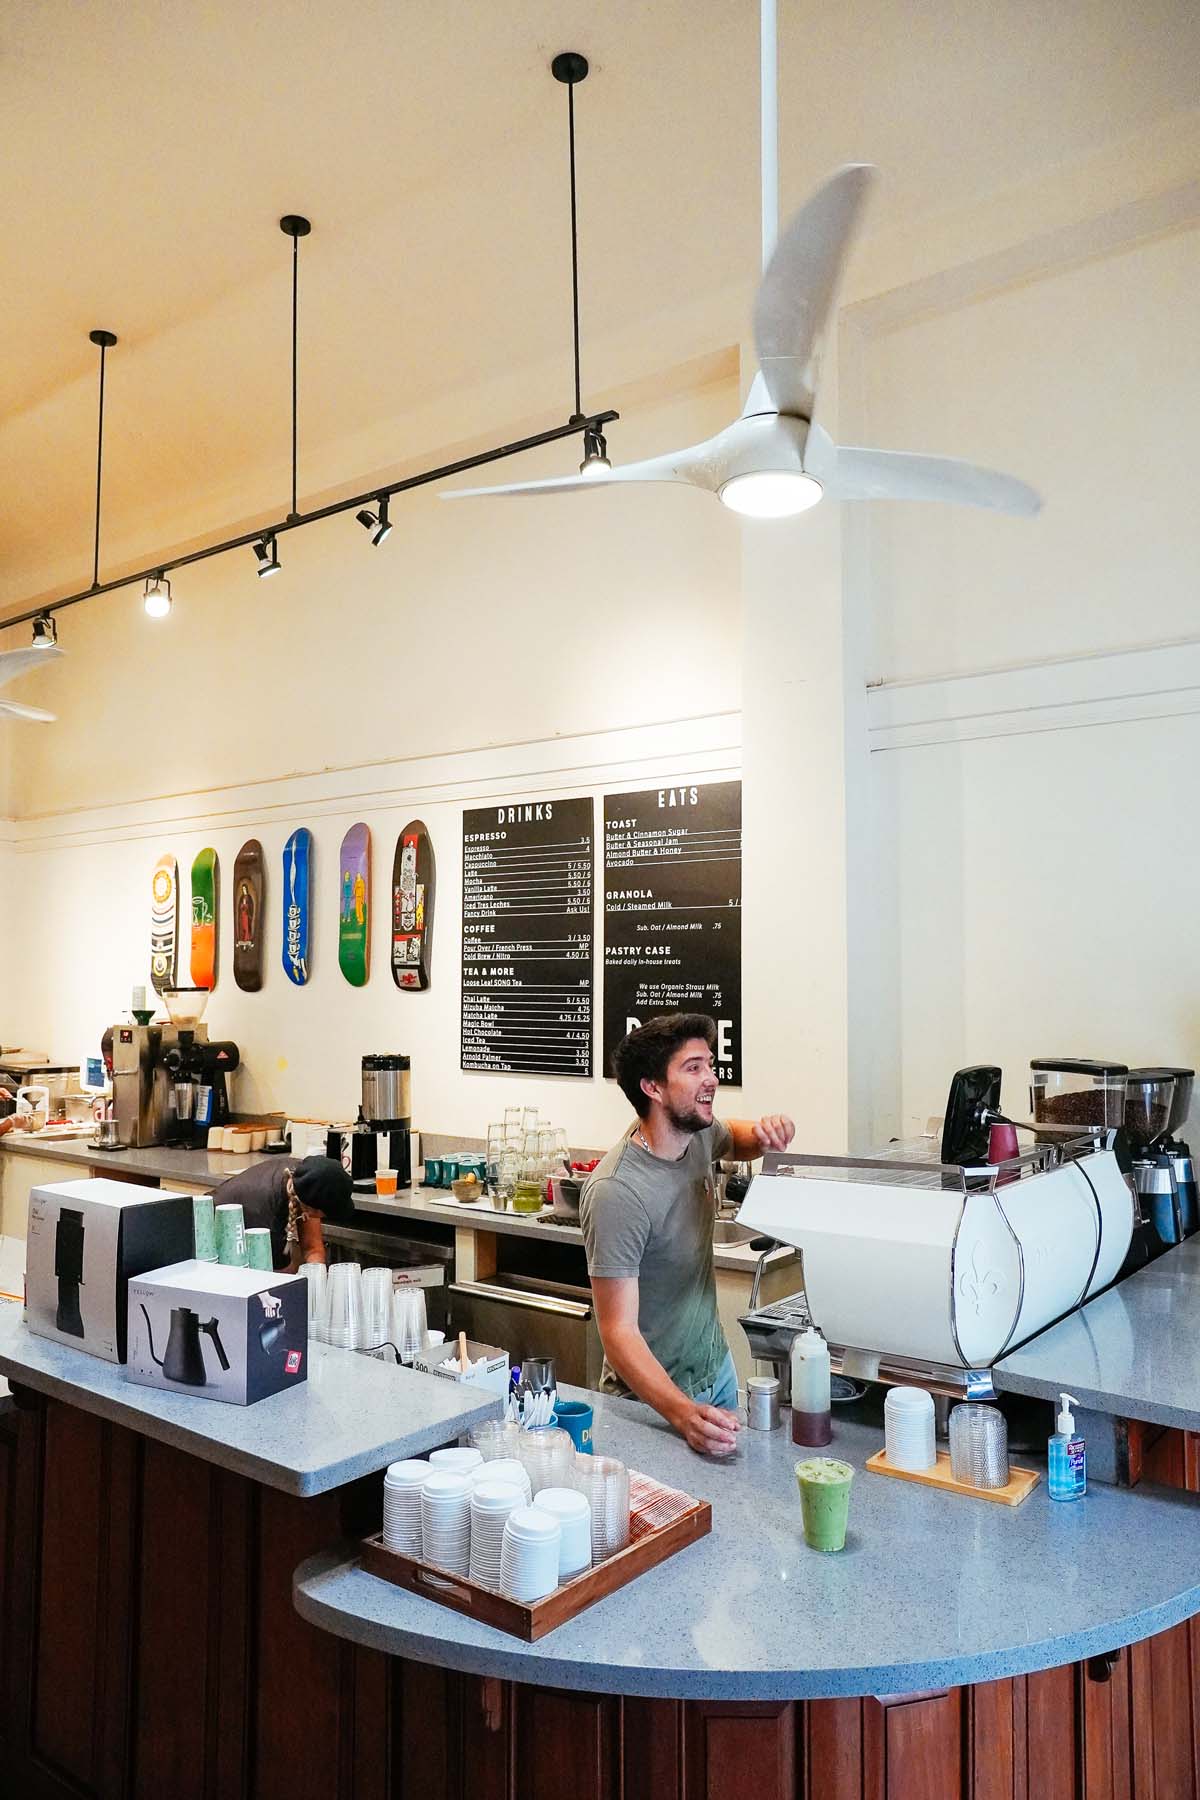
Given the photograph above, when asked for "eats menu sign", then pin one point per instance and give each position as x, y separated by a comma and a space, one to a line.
673, 912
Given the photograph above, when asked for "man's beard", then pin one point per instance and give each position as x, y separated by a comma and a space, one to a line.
687, 1121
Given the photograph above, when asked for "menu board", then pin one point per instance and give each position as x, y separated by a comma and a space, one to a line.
673, 912
528, 872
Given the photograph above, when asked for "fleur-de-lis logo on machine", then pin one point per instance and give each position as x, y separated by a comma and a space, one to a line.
979, 1281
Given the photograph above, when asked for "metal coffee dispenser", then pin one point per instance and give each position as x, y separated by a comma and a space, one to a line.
381, 1138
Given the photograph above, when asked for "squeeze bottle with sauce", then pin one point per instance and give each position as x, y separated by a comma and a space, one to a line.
811, 1423
1066, 1473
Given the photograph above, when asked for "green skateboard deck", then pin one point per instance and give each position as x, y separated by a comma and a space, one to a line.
354, 917
413, 882
164, 922
206, 874
297, 867
248, 878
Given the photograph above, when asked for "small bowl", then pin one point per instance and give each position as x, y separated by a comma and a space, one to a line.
467, 1191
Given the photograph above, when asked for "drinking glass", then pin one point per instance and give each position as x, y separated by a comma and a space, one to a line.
531, 1179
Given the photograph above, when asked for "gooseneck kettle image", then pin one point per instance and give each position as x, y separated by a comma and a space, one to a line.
68, 1269
184, 1358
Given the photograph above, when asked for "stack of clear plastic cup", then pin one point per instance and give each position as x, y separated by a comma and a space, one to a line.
574, 1515
979, 1446
377, 1313
908, 1429
316, 1275
605, 1481
491, 1504
409, 1328
402, 1506
494, 1438
549, 1456
344, 1320
529, 1554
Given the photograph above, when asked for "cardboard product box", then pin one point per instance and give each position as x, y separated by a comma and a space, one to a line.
220, 1333
493, 1375
85, 1240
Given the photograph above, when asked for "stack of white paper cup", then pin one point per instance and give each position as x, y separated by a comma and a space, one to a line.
529, 1554
908, 1429
574, 1514
402, 1506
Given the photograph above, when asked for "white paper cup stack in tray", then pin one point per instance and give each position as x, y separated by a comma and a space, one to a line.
529, 1554
574, 1514
446, 1521
402, 1506
459, 1459
491, 1504
505, 1469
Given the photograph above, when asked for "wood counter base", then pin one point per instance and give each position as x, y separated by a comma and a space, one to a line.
149, 1649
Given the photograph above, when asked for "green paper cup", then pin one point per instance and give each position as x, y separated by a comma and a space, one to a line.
824, 1500
204, 1231
258, 1249
231, 1235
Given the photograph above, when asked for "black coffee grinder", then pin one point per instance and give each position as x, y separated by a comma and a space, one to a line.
198, 1068
1157, 1103
68, 1270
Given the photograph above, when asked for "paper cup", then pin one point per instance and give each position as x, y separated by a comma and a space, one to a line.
259, 1254
385, 1183
204, 1230
231, 1236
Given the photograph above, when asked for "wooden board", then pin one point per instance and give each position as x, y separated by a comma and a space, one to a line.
354, 912
249, 875
206, 876
414, 878
297, 877
532, 1620
164, 922
1021, 1482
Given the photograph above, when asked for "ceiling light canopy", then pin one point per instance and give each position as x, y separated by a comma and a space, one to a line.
267, 552
157, 596
377, 523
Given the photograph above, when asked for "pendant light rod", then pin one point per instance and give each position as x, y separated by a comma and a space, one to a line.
769, 85
104, 340
293, 225
570, 67
163, 565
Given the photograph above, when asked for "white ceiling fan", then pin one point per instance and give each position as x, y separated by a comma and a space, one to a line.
774, 461
19, 662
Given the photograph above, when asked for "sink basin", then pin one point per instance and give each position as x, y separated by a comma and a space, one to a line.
728, 1231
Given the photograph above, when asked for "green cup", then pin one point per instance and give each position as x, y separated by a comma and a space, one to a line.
258, 1249
824, 1500
231, 1236
204, 1231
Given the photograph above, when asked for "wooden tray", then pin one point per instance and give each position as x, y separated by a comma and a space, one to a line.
1021, 1482
533, 1619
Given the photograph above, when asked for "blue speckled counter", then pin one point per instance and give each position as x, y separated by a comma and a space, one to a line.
1134, 1352
351, 1417
933, 1589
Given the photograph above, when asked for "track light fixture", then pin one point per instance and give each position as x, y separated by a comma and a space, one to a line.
595, 453
157, 596
267, 552
378, 524
45, 632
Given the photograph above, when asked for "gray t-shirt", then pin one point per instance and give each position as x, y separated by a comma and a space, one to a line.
652, 1220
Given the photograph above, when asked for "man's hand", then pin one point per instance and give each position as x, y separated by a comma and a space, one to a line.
775, 1132
708, 1429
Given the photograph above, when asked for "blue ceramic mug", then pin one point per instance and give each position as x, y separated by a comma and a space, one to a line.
575, 1416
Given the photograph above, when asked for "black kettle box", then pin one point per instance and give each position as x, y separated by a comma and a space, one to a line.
221, 1333
85, 1239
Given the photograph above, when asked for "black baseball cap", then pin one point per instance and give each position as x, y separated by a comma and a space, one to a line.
322, 1185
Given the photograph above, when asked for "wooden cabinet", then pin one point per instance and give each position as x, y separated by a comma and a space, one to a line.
149, 1648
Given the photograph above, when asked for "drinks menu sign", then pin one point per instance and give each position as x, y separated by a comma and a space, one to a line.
673, 912
527, 938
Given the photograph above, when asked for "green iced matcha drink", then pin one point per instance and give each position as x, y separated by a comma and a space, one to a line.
824, 1500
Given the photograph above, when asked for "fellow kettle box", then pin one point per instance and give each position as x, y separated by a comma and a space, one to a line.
222, 1333
85, 1241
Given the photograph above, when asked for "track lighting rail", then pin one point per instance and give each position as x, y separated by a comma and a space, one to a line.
592, 422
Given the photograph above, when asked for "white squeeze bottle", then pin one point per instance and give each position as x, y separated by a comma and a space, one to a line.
1066, 1474
811, 1422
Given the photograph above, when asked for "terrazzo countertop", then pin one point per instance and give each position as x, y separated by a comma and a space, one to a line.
352, 1416
932, 1590
1134, 1352
157, 1162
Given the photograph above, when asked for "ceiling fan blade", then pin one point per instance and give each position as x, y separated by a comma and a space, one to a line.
693, 466
795, 297
854, 474
19, 662
12, 709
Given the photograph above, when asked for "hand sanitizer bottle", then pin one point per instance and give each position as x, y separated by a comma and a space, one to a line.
1067, 1473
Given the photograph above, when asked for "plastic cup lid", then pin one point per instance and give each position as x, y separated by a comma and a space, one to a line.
568, 1502
446, 1485
528, 1522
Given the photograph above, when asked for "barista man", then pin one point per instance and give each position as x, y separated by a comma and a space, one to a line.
647, 1213
291, 1199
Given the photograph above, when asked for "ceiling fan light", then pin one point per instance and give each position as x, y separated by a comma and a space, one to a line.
267, 552
157, 597
770, 493
45, 632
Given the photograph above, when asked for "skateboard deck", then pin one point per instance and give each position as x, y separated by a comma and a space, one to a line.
297, 874
413, 882
206, 874
164, 922
354, 918
248, 877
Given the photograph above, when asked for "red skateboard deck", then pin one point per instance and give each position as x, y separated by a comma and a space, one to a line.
413, 881
354, 912
249, 876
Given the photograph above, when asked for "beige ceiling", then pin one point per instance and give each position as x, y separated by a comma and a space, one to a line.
149, 148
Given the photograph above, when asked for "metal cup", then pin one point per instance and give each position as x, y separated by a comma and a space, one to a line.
537, 1374
185, 1094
